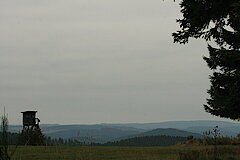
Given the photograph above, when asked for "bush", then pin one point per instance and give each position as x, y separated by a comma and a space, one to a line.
208, 155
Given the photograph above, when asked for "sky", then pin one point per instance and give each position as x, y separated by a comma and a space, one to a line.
99, 61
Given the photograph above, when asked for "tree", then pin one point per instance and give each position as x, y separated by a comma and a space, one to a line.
4, 147
32, 137
216, 21
7, 139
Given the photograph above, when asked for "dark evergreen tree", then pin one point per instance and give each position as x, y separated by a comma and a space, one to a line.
32, 137
216, 21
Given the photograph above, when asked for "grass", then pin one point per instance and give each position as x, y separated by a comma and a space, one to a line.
119, 153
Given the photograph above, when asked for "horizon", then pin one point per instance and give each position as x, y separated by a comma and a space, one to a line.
109, 123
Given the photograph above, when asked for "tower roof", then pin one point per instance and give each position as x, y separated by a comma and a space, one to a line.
29, 112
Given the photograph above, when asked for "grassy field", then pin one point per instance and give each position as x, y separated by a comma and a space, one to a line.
116, 153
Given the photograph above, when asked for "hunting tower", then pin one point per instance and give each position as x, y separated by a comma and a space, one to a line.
31, 133
30, 122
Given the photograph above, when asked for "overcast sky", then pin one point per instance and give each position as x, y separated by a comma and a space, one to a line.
99, 61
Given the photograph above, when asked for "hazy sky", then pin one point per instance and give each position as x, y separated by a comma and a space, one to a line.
98, 61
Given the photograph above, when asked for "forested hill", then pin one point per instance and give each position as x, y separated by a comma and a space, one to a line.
163, 132
170, 132
102, 133
147, 141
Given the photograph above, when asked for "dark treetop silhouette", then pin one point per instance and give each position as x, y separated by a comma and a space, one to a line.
216, 21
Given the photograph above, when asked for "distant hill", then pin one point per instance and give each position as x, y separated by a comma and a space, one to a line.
169, 132
197, 126
178, 124
109, 132
165, 132
89, 133
147, 141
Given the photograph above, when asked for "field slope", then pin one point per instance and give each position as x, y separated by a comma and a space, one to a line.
111, 153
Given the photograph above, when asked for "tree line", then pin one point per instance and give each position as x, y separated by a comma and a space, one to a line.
161, 140
19, 139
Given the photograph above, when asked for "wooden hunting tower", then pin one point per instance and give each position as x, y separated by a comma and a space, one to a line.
31, 133
30, 121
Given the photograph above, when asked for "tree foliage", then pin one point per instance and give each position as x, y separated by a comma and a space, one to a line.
4, 146
32, 137
216, 21
160, 140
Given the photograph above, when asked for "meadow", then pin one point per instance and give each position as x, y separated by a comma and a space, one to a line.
124, 153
